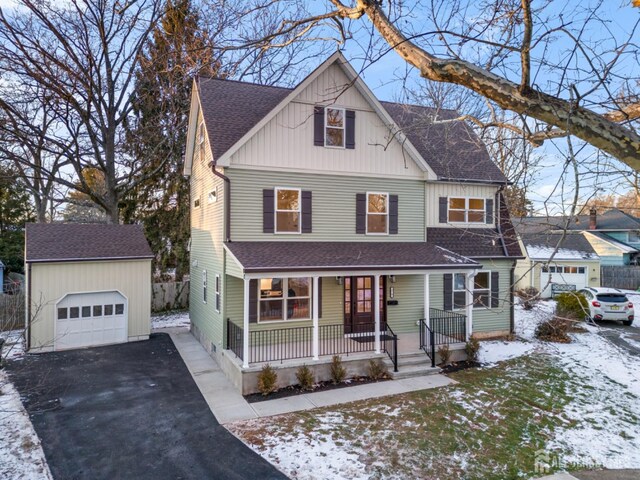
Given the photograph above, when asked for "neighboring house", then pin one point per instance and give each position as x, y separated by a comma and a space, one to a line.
557, 261
321, 216
1, 277
614, 235
86, 285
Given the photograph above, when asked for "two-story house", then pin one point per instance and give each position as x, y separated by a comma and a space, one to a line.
326, 222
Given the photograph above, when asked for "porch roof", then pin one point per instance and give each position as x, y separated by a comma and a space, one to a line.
287, 256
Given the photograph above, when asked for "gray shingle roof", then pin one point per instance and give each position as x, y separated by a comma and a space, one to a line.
573, 246
613, 219
258, 257
471, 242
84, 241
231, 108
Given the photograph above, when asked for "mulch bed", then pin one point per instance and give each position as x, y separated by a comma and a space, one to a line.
294, 390
457, 366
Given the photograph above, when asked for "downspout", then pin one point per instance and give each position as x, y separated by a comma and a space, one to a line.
227, 201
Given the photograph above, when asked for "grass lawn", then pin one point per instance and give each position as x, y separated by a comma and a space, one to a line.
487, 426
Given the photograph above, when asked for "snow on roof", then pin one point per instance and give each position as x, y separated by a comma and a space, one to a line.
543, 252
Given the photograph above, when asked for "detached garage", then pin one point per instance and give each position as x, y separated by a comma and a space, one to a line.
86, 285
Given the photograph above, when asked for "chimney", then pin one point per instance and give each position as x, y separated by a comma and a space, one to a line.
592, 219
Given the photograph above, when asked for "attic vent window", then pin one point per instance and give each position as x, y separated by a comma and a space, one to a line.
334, 127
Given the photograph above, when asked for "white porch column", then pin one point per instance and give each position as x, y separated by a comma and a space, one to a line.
245, 331
469, 301
316, 320
426, 299
376, 311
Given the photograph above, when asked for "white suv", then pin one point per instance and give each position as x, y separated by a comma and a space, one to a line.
608, 304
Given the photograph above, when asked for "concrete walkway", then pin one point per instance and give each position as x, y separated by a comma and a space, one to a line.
228, 405
625, 474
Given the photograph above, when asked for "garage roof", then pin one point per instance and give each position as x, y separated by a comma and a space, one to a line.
59, 242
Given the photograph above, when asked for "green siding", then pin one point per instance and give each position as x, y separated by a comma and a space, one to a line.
334, 205
409, 292
484, 319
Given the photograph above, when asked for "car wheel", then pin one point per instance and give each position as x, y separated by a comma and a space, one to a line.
628, 323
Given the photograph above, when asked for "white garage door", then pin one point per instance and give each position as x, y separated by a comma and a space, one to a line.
89, 319
565, 275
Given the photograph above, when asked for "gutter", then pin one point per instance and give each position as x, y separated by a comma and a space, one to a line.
227, 201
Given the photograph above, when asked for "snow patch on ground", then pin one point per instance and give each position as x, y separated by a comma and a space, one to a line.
174, 319
13, 348
21, 456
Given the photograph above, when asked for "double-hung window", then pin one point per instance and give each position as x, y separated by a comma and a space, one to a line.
204, 286
287, 210
218, 297
378, 213
481, 290
334, 121
282, 299
466, 210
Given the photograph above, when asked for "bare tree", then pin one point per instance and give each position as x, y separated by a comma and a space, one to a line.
500, 49
83, 53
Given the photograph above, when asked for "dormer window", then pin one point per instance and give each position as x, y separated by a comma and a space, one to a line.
334, 127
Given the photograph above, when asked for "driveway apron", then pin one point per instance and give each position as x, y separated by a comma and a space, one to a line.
129, 411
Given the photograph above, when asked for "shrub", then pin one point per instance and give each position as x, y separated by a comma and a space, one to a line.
472, 349
529, 297
377, 370
444, 353
554, 330
338, 372
572, 305
267, 380
305, 378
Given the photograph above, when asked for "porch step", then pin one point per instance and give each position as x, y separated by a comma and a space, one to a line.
414, 364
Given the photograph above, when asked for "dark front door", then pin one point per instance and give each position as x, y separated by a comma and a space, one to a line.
359, 304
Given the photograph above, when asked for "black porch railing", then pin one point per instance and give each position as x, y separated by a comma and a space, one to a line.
235, 339
279, 344
444, 328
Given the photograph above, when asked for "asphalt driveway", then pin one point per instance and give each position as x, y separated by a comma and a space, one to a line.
128, 411
625, 337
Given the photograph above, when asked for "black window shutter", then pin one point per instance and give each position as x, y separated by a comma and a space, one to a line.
253, 301
447, 303
442, 206
495, 289
319, 297
361, 213
267, 211
393, 214
318, 126
350, 129
306, 212
489, 208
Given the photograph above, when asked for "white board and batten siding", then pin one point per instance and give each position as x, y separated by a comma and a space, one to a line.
286, 141
89, 283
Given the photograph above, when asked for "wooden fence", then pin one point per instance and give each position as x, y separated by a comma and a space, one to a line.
169, 296
11, 311
624, 276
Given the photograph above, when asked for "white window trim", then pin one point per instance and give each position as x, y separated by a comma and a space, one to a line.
215, 191
196, 202
454, 290
275, 210
466, 210
218, 297
386, 232
204, 286
284, 298
343, 128
475, 306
